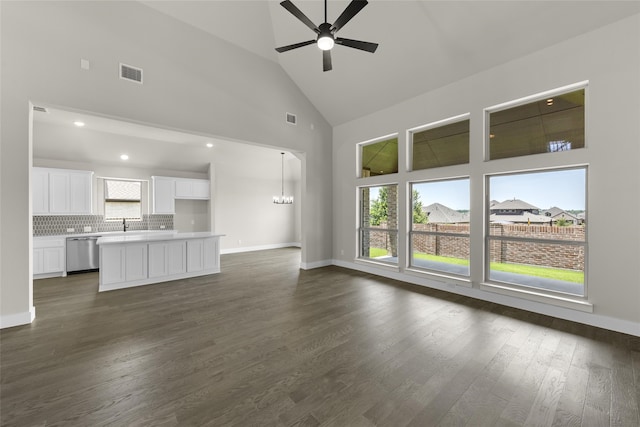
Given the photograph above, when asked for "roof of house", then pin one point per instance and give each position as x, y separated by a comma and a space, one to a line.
525, 218
514, 204
439, 213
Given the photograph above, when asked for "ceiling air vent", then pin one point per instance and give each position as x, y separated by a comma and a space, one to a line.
133, 74
291, 119
39, 109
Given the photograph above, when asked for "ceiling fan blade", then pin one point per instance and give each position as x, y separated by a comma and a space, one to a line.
357, 44
326, 60
354, 7
298, 14
294, 46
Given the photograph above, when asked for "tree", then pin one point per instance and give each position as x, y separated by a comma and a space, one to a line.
379, 208
419, 217
563, 222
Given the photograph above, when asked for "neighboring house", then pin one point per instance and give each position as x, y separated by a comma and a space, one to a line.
555, 213
441, 214
515, 211
513, 207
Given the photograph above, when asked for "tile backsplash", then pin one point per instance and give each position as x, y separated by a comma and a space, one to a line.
51, 225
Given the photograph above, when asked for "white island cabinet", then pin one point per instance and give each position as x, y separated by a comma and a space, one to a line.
136, 260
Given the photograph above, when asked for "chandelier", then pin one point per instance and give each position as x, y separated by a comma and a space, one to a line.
282, 199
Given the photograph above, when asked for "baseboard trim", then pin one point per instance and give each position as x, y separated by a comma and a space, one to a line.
592, 319
316, 264
259, 248
18, 319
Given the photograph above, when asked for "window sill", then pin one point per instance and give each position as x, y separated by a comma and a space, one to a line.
576, 303
386, 266
441, 277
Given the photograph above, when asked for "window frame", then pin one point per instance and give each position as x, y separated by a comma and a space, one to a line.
583, 85
359, 157
106, 200
361, 229
493, 284
411, 231
433, 125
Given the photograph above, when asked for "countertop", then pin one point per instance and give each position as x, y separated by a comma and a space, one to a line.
154, 237
105, 233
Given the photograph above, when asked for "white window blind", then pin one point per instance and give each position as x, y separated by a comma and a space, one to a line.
122, 199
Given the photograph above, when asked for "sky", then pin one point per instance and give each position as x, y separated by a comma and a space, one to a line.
565, 189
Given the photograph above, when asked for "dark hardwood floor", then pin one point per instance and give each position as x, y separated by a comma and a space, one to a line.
264, 343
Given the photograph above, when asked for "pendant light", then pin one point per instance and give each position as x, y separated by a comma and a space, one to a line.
282, 199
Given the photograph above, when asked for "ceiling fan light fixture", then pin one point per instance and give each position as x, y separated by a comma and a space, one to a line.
325, 42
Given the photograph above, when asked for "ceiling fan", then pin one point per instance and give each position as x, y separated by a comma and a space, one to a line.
326, 32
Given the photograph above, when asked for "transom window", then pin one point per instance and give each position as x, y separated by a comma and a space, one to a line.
550, 124
440, 145
379, 158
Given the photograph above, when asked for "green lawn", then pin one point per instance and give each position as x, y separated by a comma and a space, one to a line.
377, 252
529, 270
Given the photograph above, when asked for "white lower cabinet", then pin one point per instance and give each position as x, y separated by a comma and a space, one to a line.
119, 263
125, 264
112, 269
135, 263
211, 254
48, 257
167, 258
195, 255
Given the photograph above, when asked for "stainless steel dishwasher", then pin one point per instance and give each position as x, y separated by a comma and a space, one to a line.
82, 254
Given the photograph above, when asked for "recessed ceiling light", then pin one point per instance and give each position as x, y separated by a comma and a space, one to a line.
124, 157
209, 144
78, 123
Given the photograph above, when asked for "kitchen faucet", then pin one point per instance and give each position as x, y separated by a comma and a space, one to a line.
124, 225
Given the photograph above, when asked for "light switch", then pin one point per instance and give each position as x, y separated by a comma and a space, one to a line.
84, 64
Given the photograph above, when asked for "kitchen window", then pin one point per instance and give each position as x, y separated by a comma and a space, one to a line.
122, 199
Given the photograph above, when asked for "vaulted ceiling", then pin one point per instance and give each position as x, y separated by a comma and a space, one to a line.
423, 44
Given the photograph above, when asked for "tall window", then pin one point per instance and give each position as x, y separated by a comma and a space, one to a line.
551, 124
440, 145
122, 199
536, 230
379, 158
439, 236
379, 223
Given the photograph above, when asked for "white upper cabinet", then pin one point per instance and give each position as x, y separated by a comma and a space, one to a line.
167, 189
164, 193
192, 189
40, 191
61, 191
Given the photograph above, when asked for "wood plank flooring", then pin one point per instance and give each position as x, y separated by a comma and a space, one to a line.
266, 344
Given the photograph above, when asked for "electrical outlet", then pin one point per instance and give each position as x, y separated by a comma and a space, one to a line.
162, 227
87, 229
193, 221
70, 230
239, 241
341, 251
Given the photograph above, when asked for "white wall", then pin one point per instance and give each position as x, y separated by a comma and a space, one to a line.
609, 58
245, 212
193, 82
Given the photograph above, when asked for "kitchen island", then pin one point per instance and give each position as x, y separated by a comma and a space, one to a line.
136, 260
